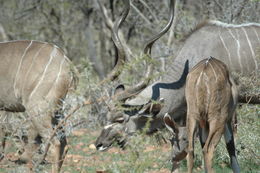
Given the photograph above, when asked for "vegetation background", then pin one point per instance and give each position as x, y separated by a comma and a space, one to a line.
79, 29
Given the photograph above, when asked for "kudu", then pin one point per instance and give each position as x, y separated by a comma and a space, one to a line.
211, 96
236, 45
116, 118
34, 78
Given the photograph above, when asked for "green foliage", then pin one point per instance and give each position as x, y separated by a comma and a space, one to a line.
77, 28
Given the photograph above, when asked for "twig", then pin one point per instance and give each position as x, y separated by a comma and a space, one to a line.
63, 123
150, 10
141, 14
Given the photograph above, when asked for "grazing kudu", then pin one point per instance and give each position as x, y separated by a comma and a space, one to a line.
34, 78
116, 118
236, 45
211, 96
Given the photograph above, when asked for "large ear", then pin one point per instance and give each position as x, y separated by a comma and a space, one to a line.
152, 108
171, 124
119, 89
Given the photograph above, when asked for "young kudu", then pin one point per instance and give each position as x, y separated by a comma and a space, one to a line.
238, 46
211, 96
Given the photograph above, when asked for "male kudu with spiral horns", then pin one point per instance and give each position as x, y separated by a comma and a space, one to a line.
238, 46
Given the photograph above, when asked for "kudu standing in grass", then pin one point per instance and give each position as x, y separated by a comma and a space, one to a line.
211, 96
238, 46
34, 78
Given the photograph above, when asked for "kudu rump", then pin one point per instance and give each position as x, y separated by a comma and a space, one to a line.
34, 78
211, 96
237, 46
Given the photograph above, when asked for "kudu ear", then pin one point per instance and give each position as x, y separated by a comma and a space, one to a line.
119, 89
170, 124
152, 108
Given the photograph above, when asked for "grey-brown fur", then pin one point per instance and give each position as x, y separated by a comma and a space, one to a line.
236, 45
211, 97
34, 78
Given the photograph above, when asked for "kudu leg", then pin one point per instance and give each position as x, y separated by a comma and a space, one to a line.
203, 135
2, 142
57, 155
215, 132
43, 131
58, 149
230, 145
31, 147
191, 125
4, 128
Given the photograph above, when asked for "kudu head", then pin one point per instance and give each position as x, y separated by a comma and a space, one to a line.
121, 115
179, 139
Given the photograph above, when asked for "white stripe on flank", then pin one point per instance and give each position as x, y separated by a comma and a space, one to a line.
67, 58
214, 72
206, 82
238, 48
19, 67
251, 48
256, 35
62, 52
52, 55
12, 41
218, 23
197, 85
30, 68
224, 44
208, 92
58, 76
198, 80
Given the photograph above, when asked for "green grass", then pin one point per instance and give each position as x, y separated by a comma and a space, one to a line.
145, 155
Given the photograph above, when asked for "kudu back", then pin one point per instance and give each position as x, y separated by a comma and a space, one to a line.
34, 78
238, 46
211, 96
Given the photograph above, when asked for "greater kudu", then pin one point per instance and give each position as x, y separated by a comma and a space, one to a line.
211, 96
236, 45
117, 118
34, 78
